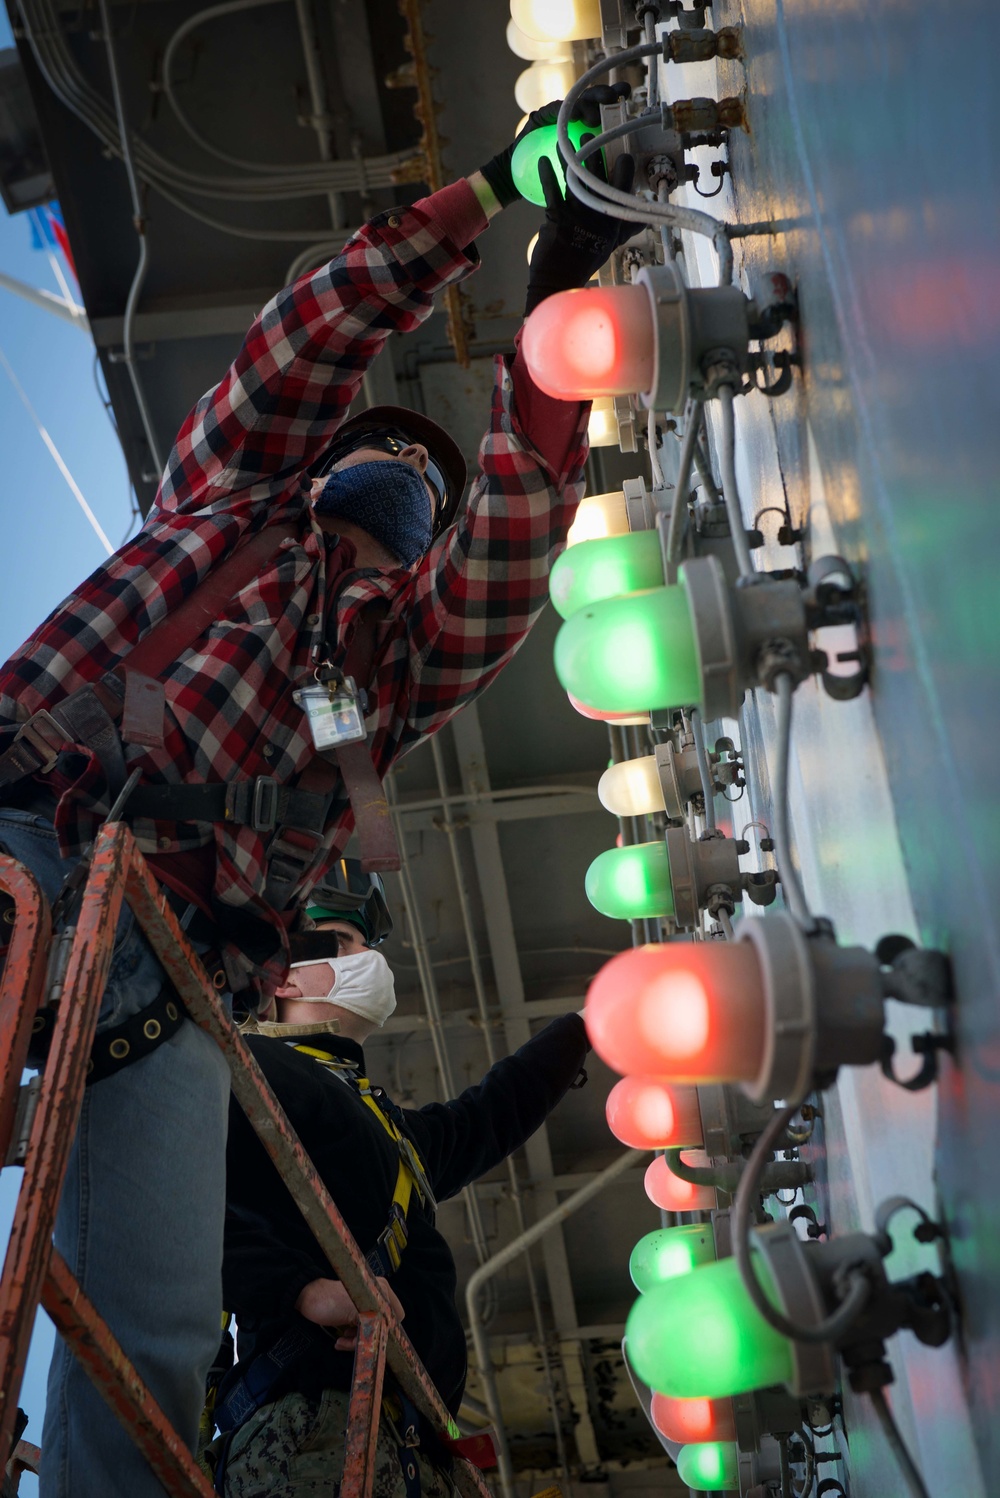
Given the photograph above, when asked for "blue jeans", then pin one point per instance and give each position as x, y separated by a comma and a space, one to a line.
141, 1217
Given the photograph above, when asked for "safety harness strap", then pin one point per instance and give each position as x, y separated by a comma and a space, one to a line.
90, 715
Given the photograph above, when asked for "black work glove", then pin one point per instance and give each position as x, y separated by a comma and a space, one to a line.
497, 170
574, 241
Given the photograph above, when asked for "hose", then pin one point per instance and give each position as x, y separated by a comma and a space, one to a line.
730, 490
791, 883
831, 1327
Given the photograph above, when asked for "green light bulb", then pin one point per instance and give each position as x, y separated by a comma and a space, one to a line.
629, 883
631, 654
667, 1252
701, 1337
608, 568
710, 1466
530, 150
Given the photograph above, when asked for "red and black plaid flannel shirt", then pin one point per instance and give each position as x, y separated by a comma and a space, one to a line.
238, 465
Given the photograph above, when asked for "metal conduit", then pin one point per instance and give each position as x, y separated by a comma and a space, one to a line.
432, 1002
517, 1197
318, 100
485, 1273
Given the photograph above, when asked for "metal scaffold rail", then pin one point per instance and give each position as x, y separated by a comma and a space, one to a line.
34, 1273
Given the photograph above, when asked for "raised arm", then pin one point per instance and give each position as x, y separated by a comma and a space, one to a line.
304, 358
461, 1140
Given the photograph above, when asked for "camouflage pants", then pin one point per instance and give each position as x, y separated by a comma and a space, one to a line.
294, 1448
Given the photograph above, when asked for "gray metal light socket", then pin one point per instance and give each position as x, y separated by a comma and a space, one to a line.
691, 325
824, 1007
680, 778
729, 1120
698, 867
744, 636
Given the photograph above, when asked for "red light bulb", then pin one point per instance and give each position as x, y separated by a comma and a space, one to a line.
599, 717
685, 1013
646, 1114
693, 1420
671, 1194
599, 340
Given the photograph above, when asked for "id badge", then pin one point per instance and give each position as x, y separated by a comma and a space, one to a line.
333, 714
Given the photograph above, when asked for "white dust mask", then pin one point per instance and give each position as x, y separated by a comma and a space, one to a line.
361, 983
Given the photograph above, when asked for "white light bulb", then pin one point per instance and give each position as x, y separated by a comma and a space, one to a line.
542, 83
531, 48
597, 516
631, 788
602, 428
557, 20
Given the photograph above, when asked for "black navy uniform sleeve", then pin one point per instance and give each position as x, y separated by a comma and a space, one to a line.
461, 1140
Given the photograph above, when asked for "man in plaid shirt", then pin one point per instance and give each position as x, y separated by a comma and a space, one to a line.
140, 1222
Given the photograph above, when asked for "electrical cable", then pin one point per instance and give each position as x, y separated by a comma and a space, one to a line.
617, 204
791, 883
652, 75
704, 770
829, 1328
58, 68
907, 1465
139, 223
211, 13
679, 510
810, 1464
730, 490
315, 255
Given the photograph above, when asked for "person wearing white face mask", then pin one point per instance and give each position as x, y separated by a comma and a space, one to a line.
282, 1411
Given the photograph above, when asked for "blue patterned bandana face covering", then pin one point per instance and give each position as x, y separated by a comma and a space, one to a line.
386, 498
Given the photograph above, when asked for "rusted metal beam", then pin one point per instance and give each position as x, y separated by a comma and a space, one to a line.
55, 1122
276, 1134
365, 1407
426, 111
116, 1380
25, 1457
21, 985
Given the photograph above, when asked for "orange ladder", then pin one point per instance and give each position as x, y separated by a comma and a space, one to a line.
38, 1122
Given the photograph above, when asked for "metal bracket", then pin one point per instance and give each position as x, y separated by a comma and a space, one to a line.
27, 1102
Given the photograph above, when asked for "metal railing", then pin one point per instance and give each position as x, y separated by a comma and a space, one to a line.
34, 1273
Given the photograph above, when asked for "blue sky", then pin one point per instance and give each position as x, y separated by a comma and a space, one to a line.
48, 545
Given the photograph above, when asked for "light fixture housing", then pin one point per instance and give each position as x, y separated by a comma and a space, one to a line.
701, 1336
698, 642
609, 567
533, 49
626, 720
597, 516
602, 424
689, 1421
709, 1467
777, 1011
557, 20
542, 142
671, 1194
658, 338
668, 1252
676, 877
668, 780
544, 81
645, 1113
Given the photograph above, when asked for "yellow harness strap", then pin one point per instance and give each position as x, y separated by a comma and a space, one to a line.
411, 1174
